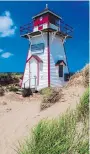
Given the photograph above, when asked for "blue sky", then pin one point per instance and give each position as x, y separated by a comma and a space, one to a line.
13, 49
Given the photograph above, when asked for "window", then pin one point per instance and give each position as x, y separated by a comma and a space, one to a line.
60, 70
37, 48
52, 19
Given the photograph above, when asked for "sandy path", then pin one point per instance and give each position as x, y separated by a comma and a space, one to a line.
15, 124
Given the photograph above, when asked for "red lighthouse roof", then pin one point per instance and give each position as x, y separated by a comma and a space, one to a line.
46, 10
36, 57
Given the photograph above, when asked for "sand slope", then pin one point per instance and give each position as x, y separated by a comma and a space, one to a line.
18, 115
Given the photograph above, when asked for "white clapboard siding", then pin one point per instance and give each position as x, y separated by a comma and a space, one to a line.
26, 72
26, 76
43, 74
44, 56
56, 53
54, 78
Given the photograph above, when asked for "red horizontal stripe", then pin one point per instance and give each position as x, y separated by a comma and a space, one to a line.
39, 22
40, 27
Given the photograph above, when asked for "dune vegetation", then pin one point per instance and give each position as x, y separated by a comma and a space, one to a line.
67, 134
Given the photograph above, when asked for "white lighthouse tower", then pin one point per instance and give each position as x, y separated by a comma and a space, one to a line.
46, 64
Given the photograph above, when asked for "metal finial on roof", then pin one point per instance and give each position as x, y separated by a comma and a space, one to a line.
46, 6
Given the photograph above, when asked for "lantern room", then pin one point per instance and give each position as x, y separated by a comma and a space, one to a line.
46, 19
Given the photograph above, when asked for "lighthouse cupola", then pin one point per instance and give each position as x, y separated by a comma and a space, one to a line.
46, 19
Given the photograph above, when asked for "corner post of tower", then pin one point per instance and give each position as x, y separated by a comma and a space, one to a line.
48, 48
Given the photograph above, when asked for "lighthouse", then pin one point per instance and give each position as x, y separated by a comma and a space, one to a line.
46, 63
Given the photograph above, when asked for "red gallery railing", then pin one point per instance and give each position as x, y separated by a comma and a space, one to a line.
27, 28
64, 28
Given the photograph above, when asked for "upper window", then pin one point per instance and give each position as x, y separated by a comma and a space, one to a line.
54, 20
37, 48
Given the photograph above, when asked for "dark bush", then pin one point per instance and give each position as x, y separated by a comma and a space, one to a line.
14, 89
2, 91
26, 92
50, 97
8, 78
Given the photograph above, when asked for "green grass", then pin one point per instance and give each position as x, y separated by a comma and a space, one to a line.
46, 91
83, 107
61, 136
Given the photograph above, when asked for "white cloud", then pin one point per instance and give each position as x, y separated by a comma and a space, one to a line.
1, 50
7, 27
7, 13
6, 55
